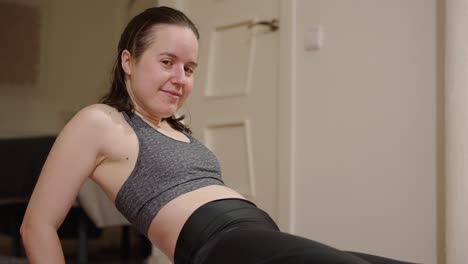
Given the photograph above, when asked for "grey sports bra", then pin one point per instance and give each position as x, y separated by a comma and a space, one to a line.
165, 169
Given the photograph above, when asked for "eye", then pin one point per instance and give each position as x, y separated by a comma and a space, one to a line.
167, 62
189, 70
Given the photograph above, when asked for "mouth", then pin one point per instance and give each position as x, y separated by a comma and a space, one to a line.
173, 93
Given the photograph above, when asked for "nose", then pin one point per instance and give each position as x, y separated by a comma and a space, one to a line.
179, 76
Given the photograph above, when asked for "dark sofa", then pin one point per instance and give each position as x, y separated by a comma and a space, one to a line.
21, 161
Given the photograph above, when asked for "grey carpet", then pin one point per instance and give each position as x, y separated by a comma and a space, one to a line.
12, 260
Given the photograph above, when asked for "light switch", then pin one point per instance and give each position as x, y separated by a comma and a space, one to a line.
313, 38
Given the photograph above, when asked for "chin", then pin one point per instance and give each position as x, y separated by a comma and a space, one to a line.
168, 114
164, 113
172, 112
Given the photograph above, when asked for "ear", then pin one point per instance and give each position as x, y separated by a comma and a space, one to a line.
126, 61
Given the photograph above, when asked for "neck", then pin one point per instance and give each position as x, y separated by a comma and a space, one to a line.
153, 121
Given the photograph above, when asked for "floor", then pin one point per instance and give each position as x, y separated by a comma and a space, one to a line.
102, 258
103, 250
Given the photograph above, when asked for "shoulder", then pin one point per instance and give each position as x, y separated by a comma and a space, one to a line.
86, 133
93, 122
96, 113
96, 117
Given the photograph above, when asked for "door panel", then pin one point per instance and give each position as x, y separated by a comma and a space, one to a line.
233, 107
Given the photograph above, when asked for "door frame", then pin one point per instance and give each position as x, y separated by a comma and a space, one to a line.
286, 112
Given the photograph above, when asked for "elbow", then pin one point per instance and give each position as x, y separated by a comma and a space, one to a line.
40, 242
24, 230
36, 230
28, 230
33, 233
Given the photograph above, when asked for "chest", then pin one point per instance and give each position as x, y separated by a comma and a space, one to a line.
117, 159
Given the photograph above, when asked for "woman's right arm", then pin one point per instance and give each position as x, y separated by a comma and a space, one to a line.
73, 157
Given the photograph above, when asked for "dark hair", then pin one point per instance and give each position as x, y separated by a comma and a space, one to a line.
136, 38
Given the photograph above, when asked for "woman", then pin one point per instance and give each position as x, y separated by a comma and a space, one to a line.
162, 179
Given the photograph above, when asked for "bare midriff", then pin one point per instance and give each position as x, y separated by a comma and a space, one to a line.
166, 226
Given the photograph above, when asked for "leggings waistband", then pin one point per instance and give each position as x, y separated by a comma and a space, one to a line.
215, 218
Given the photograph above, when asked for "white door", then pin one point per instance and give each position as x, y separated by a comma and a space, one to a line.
233, 107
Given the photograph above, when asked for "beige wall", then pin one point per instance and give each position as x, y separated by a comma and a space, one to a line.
366, 103
77, 55
367, 118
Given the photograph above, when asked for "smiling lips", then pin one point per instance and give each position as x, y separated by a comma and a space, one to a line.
173, 93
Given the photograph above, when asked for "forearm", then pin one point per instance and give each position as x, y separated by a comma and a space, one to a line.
42, 245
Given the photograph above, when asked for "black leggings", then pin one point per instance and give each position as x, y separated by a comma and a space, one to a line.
234, 231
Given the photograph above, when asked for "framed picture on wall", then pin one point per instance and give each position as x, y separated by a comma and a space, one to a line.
22, 29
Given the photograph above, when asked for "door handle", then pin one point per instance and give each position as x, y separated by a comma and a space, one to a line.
273, 24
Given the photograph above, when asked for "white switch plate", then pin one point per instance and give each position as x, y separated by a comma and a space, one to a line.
313, 38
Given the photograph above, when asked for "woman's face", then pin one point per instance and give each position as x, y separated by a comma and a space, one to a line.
162, 78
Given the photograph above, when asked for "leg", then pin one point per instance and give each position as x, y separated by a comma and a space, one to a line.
377, 260
264, 246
